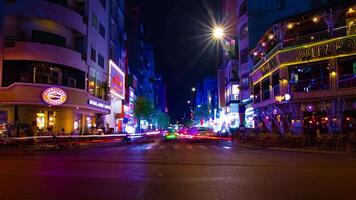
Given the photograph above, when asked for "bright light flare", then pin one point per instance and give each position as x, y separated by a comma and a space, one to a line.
218, 32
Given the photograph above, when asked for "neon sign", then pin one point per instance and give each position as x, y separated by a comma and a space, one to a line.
117, 80
54, 96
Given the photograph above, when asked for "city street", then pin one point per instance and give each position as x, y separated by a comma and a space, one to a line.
185, 169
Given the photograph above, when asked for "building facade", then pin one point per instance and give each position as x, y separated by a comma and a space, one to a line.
303, 79
246, 21
54, 69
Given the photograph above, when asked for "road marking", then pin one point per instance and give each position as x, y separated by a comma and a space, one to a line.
122, 148
202, 147
216, 147
190, 147
176, 146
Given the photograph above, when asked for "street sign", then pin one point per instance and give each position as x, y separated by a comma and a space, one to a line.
125, 120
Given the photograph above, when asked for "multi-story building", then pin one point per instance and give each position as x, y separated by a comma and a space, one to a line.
148, 80
303, 79
160, 94
117, 65
244, 22
206, 96
54, 65
135, 44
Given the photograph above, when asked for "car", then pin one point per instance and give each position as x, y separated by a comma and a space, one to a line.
200, 131
171, 134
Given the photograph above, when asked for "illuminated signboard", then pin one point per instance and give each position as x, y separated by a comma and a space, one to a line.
54, 96
327, 49
117, 80
98, 104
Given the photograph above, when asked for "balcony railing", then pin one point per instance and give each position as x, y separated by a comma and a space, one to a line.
320, 36
268, 55
307, 39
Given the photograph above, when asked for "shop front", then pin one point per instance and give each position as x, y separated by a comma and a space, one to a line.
39, 109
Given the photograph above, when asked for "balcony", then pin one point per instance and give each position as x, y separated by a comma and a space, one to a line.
25, 49
48, 10
304, 40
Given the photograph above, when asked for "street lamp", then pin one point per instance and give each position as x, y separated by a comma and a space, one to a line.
193, 89
218, 32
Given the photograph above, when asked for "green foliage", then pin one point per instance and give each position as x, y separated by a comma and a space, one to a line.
143, 109
161, 118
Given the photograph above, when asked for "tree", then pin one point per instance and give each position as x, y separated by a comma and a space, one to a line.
143, 109
161, 119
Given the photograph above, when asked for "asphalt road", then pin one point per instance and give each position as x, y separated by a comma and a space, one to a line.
175, 170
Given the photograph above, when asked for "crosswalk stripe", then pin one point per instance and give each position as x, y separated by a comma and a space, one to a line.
202, 147
176, 146
190, 147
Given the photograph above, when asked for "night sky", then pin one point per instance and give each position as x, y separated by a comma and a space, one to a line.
179, 30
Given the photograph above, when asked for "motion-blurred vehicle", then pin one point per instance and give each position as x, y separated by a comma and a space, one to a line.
171, 134
183, 131
200, 131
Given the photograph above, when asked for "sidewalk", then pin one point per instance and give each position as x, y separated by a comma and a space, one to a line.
298, 150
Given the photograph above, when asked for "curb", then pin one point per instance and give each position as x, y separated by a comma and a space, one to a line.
295, 150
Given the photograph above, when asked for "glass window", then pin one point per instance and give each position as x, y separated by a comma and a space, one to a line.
93, 54
245, 82
41, 72
309, 77
92, 81
103, 3
48, 38
94, 21
243, 8
256, 92
102, 30
347, 72
266, 93
244, 56
243, 31
275, 83
101, 61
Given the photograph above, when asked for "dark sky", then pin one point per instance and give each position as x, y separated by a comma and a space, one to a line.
178, 29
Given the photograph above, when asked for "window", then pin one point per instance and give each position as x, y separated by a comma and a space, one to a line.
266, 94
48, 38
243, 8
244, 56
256, 93
97, 85
281, 4
275, 83
243, 32
347, 73
101, 61
309, 77
72, 82
42, 73
94, 21
245, 82
103, 3
93, 54
102, 30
